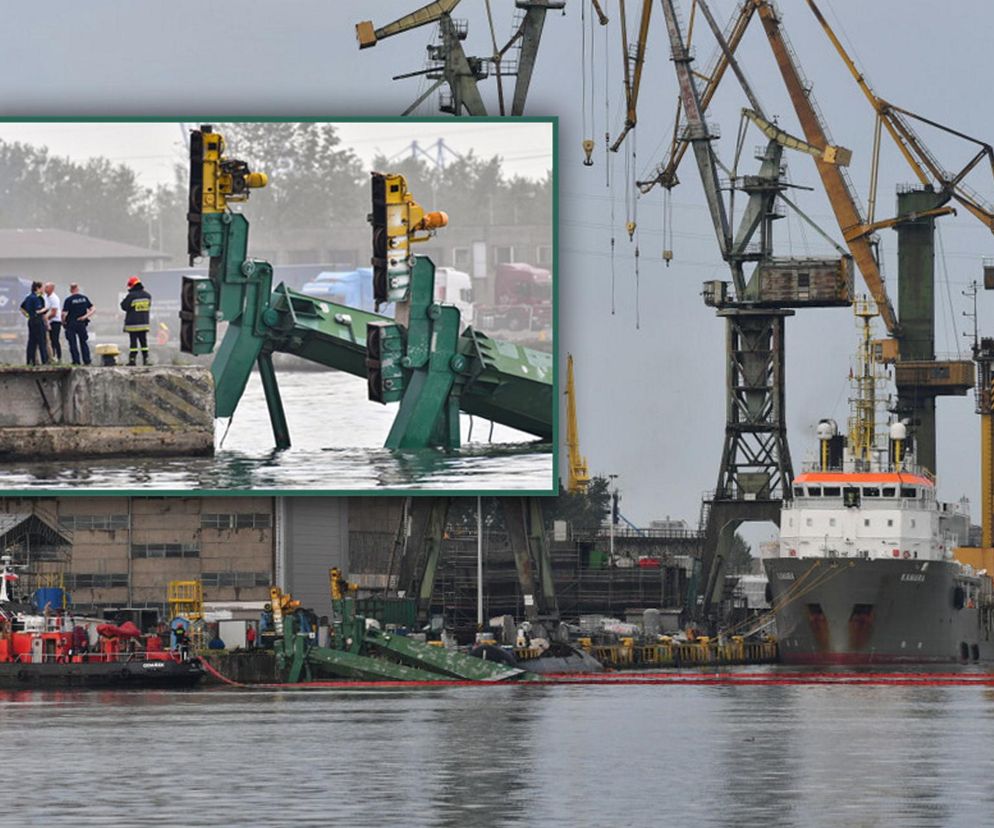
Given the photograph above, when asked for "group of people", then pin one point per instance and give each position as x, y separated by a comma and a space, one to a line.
47, 315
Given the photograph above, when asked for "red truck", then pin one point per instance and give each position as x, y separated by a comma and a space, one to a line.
523, 300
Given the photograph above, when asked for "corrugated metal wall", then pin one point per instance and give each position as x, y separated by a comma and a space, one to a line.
313, 537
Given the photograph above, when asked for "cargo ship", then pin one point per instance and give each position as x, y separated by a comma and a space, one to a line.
54, 649
865, 571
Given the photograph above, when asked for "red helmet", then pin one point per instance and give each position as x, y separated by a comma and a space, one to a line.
134, 280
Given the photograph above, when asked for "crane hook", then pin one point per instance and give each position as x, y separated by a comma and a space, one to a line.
588, 151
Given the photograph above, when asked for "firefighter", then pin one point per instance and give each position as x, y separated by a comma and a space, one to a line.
136, 306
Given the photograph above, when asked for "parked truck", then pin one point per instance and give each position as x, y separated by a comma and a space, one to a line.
355, 289
522, 300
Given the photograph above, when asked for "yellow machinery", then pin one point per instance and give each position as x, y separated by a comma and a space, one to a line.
186, 600
579, 477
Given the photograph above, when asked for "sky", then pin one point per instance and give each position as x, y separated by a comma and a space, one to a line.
153, 150
650, 396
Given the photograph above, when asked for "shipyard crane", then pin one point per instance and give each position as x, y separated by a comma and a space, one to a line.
579, 476
919, 377
450, 64
755, 471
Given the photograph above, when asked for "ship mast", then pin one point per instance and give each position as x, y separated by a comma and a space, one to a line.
863, 416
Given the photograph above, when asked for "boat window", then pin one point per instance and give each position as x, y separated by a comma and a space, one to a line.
850, 496
866, 521
798, 491
890, 522
832, 491
807, 522
814, 491
890, 491
831, 521
871, 491
909, 491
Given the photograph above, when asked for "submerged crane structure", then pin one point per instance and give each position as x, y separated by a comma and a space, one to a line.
422, 358
450, 67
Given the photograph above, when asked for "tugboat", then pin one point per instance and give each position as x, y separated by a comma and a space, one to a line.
864, 572
58, 650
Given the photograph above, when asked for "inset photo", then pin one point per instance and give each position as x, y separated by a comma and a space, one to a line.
315, 306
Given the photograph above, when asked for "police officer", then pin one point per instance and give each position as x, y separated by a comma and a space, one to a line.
76, 313
136, 306
35, 309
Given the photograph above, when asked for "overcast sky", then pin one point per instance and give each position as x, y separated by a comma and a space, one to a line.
651, 400
154, 149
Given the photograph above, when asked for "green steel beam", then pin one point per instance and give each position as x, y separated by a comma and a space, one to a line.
442, 661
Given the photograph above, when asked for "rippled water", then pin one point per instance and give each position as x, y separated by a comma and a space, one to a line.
503, 755
337, 436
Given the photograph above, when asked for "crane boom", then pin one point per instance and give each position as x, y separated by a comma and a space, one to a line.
698, 136
633, 73
429, 13
923, 163
836, 184
531, 34
666, 174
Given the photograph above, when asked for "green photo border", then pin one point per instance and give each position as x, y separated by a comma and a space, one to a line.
386, 492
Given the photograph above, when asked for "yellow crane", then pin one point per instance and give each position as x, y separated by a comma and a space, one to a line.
579, 477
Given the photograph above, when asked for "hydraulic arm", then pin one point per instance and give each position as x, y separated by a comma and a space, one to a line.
422, 358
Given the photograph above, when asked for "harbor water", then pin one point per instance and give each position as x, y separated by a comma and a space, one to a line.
337, 436
504, 755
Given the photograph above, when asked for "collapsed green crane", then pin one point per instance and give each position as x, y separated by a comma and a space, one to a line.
363, 652
422, 358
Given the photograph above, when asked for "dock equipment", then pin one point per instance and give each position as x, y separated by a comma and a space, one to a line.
362, 651
423, 358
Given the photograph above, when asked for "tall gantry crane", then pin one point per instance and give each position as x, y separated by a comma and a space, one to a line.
755, 471
449, 65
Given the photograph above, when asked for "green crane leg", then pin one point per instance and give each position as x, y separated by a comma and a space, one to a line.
427, 396
277, 416
441, 661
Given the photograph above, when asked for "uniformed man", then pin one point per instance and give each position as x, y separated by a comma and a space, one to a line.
77, 311
35, 309
137, 306
54, 321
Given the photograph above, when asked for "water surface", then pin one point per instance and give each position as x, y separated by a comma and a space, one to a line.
337, 436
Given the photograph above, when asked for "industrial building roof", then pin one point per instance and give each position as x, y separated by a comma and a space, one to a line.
14, 525
40, 243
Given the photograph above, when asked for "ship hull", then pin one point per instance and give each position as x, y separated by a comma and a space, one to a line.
138, 674
860, 611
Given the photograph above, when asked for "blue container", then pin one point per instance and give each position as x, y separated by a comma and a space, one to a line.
48, 596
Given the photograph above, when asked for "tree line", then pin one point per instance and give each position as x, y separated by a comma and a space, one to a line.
314, 182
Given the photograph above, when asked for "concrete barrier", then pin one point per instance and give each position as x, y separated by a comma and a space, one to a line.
74, 411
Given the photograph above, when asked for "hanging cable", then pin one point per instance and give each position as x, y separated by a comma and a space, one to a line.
607, 110
587, 143
609, 165
637, 309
